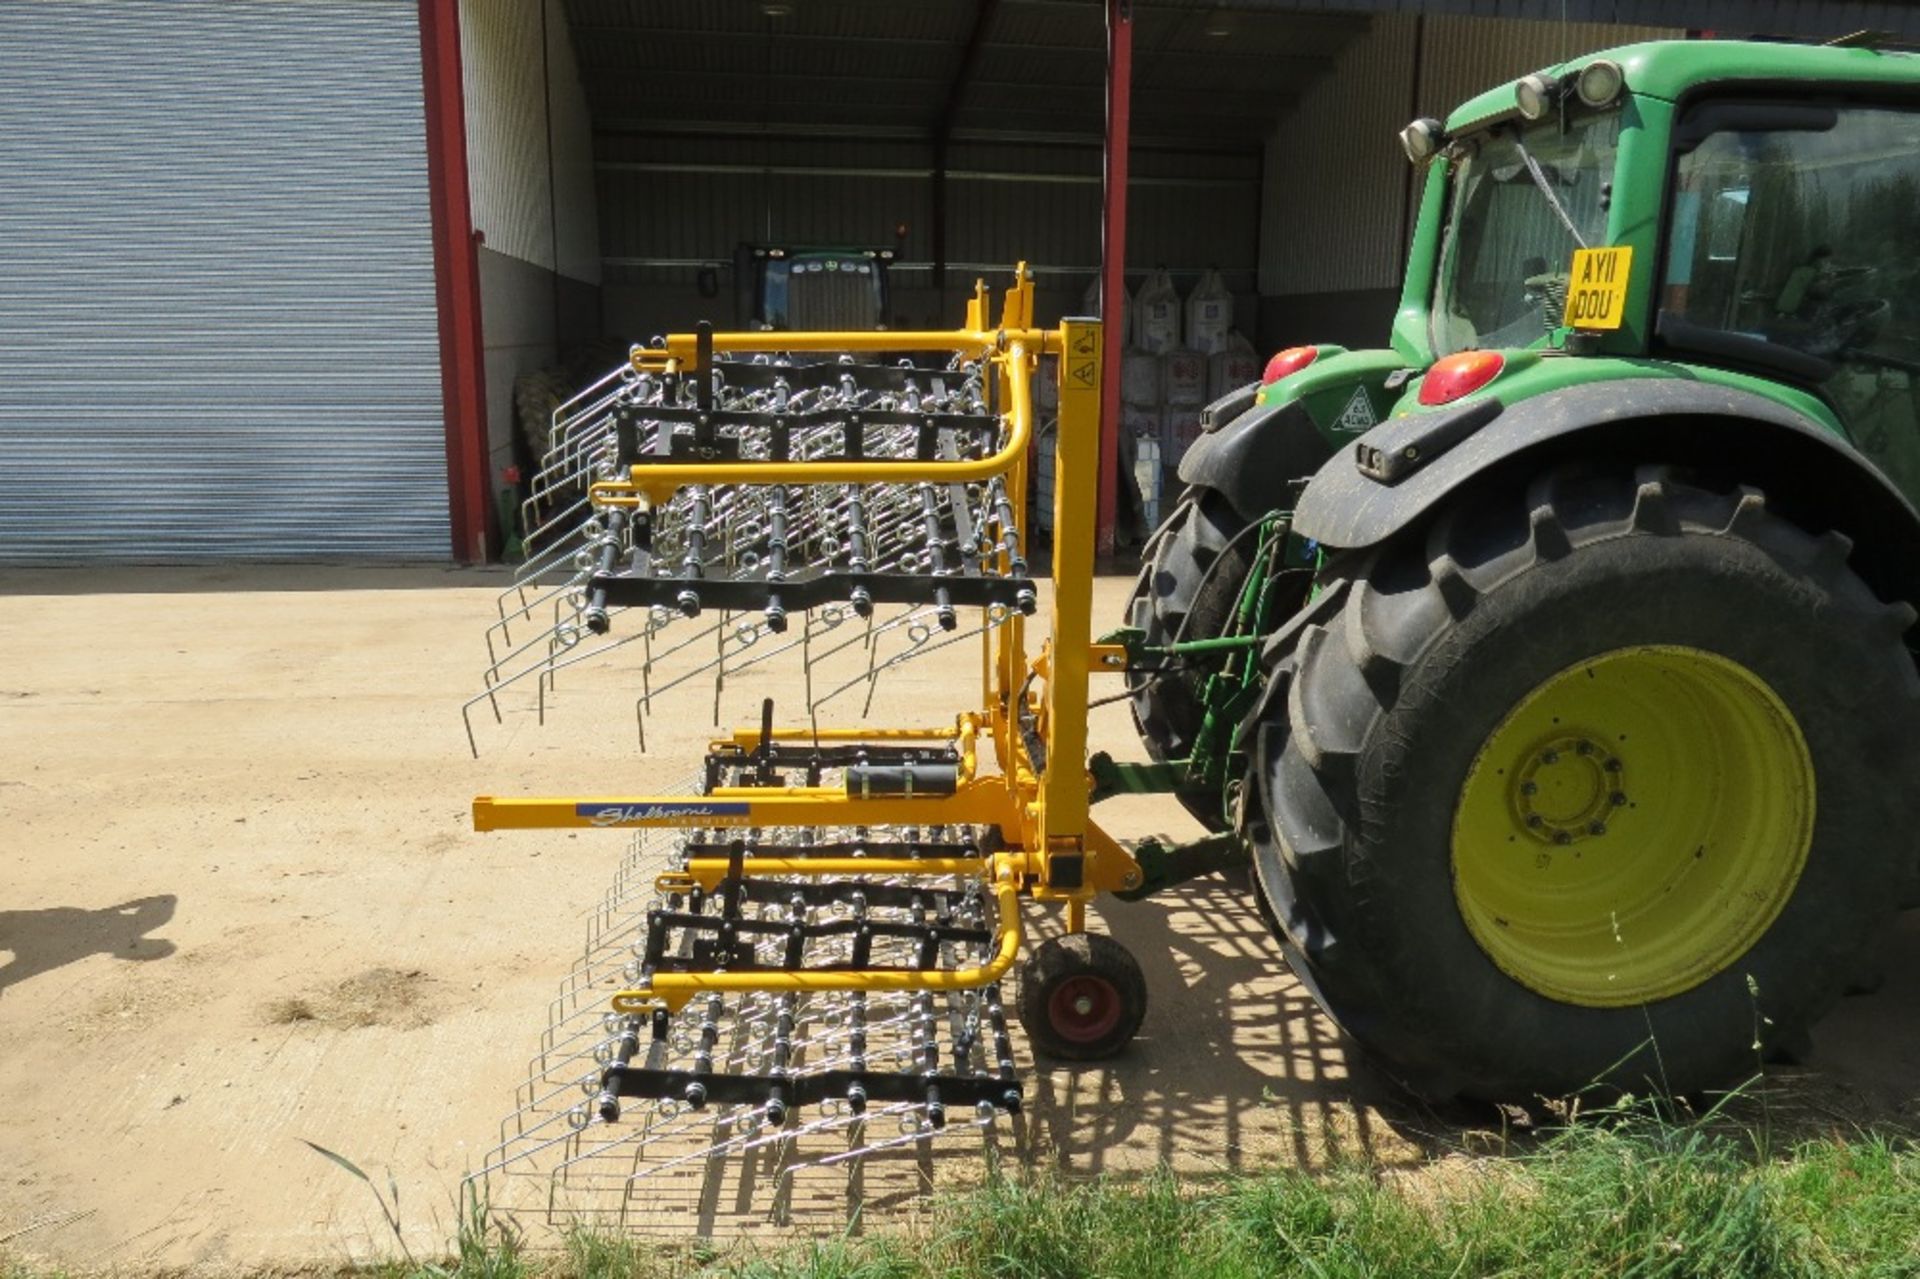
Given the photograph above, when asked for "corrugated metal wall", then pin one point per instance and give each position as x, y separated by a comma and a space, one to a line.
1336, 195
531, 177
1819, 19
667, 207
217, 326
1461, 57
666, 203
507, 102
573, 173
1335, 181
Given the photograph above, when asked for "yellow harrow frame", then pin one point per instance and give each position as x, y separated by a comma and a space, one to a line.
1022, 748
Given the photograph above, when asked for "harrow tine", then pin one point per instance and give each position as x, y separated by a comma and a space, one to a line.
553, 595
545, 668
539, 531
568, 408
918, 647
912, 1133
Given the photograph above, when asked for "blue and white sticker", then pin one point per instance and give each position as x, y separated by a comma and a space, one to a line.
672, 813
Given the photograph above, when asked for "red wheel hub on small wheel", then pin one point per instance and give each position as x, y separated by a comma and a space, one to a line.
1084, 1008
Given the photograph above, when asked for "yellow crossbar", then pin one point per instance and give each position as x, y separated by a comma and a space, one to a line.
656, 482
709, 871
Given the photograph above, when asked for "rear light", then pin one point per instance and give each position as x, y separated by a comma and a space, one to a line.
1461, 374
1291, 360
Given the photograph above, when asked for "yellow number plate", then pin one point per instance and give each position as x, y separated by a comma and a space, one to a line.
1597, 288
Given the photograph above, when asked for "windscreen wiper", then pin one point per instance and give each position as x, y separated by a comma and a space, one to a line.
1546, 189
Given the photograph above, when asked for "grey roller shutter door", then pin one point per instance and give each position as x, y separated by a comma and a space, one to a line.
217, 328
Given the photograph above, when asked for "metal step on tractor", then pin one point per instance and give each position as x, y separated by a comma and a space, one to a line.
1549, 666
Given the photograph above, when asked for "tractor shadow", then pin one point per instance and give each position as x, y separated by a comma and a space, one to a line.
1864, 1068
1236, 1068
44, 940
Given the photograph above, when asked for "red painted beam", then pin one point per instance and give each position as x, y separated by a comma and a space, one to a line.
456, 272
1113, 259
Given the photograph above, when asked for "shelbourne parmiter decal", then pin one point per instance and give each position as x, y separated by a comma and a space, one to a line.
635, 814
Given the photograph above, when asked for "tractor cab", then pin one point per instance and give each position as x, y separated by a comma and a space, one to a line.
1702, 204
812, 289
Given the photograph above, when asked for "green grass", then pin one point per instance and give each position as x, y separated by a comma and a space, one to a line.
1641, 1201
1627, 1194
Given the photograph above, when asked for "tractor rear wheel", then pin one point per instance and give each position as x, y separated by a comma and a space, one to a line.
1187, 591
1605, 778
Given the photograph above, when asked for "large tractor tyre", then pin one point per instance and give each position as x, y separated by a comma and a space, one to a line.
1599, 780
1187, 591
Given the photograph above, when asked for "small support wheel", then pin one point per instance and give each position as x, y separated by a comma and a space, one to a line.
1082, 997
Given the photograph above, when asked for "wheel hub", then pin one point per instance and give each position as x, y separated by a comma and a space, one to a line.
1565, 790
1591, 891
1084, 1008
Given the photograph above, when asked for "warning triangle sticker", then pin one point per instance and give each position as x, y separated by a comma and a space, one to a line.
1358, 416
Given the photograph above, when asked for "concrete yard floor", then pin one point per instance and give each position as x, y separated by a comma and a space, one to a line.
242, 908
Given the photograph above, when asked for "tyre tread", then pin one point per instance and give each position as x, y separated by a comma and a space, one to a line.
1342, 685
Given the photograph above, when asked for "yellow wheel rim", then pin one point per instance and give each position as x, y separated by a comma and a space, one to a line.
1633, 826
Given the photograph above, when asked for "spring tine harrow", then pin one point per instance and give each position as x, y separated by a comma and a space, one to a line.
797, 972
765, 550
612, 1101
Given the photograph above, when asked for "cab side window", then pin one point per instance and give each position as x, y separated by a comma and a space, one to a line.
1799, 228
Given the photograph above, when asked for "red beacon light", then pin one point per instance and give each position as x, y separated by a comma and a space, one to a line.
1460, 374
1291, 360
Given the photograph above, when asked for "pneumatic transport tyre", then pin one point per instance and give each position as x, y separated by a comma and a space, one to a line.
1596, 779
1081, 997
1187, 592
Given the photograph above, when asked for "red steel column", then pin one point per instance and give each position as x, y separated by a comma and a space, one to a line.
456, 272
1113, 259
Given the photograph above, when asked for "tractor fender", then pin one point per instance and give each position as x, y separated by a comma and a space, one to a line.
1396, 473
1250, 458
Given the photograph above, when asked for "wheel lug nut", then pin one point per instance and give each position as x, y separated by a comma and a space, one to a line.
1561, 837
1551, 757
1597, 828
1529, 788
1613, 766
1535, 821
1619, 799
1585, 748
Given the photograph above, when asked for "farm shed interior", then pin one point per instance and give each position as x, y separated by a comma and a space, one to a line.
621, 194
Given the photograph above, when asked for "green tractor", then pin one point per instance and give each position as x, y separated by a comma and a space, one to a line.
1553, 664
